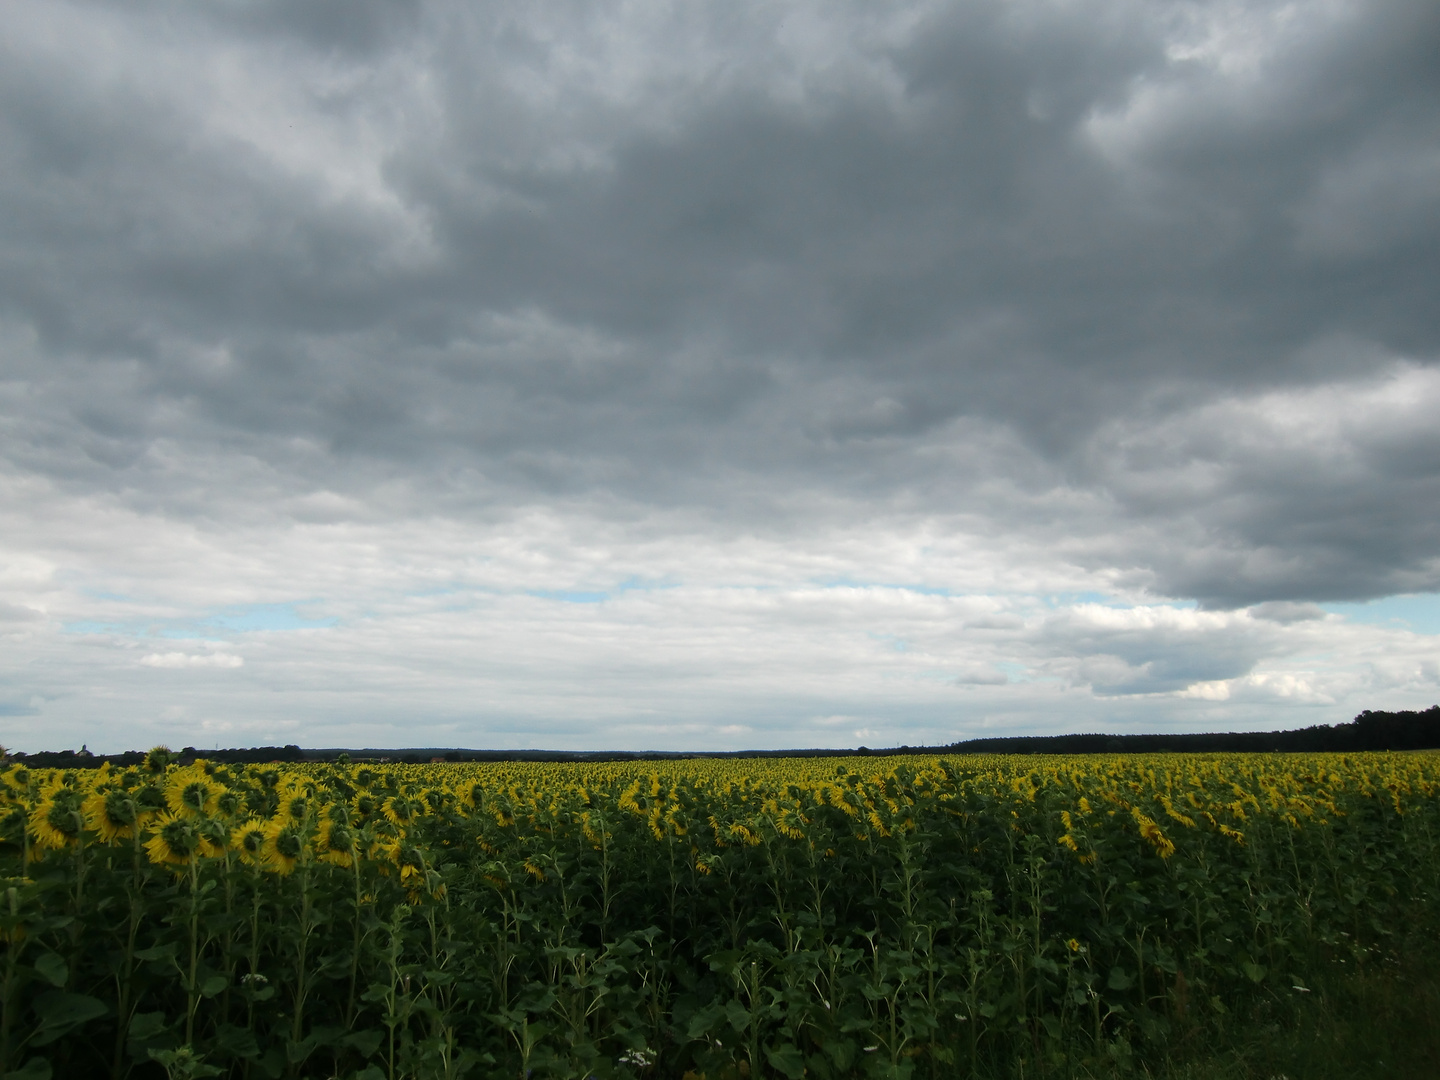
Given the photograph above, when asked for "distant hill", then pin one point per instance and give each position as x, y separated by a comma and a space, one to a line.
1406, 730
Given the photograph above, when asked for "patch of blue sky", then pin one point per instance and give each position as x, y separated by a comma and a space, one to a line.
570, 597
1418, 612
264, 617
249, 618
89, 626
638, 584
82, 627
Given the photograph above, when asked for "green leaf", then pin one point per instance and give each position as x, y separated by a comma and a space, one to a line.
237, 1041
272, 1062
1254, 972
787, 1059
702, 1022
726, 961
374, 1072
737, 1015
1044, 963
325, 1035
840, 1051
157, 952
61, 1013
364, 1043
1120, 979
184, 1064
35, 1069
52, 969
213, 985
144, 1026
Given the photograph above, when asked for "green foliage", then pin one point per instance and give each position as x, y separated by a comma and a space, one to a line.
878, 918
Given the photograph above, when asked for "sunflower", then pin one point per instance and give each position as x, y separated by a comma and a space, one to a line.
412, 867
173, 840
402, 810
284, 844
335, 843
293, 807
157, 759
113, 814
384, 852
214, 836
189, 792
249, 842
56, 820
228, 803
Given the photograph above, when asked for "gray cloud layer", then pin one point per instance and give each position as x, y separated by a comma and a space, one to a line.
1149, 287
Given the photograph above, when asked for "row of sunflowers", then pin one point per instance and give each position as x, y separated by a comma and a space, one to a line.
715, 917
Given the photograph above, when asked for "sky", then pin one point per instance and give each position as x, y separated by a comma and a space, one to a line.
627, 374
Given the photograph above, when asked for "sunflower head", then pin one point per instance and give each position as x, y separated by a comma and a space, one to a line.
284, 845
294, 808
191, 793
214, 836
412, 866
158, 759
385, 853
150, 798
173, 841
335, 843
228, 803
402, 810
113, 814
248, 841
57, 820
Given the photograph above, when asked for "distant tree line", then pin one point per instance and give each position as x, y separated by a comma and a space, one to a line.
84, 759
1405, 730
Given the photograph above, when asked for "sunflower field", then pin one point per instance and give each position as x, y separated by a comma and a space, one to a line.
834, 917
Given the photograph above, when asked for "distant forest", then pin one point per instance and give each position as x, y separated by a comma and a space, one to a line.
1406, 730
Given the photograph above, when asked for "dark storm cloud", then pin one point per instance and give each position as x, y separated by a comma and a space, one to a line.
748, 248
